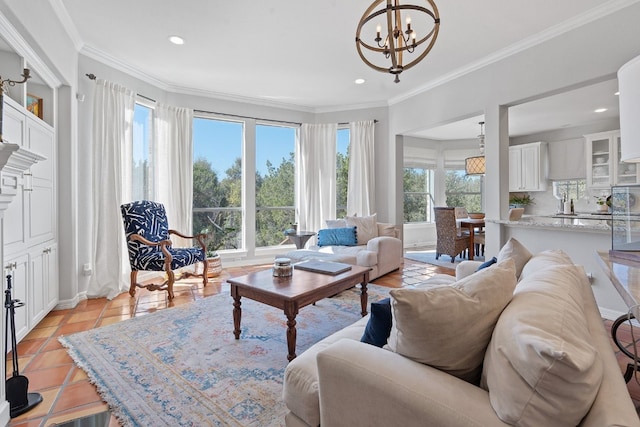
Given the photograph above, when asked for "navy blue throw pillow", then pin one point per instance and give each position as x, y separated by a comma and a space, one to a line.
487, 263
379, 326
337, 237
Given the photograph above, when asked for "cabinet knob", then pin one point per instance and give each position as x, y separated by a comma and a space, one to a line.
11, 266
27, 174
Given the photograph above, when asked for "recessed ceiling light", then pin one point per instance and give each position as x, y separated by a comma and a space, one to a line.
600, 110
360, 81
176, 39
617, 93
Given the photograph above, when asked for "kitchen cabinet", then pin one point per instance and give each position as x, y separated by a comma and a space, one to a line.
604, 167
528, 167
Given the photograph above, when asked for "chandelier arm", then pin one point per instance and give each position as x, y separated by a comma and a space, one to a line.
392, 42
369, 63
423, 54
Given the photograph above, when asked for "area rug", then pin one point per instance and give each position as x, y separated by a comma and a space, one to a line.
429, 257
183, 367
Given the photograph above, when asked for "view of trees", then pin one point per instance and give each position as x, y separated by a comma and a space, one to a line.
275, 200
416, 195
463, 190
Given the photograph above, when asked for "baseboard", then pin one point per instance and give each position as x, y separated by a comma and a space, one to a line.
608, 314
5, 413
71, 303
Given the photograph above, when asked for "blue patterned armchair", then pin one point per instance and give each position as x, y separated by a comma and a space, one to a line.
148, 242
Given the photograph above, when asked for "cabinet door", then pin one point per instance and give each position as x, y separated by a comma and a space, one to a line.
52, 278
599, 160
515, 169
37, 289
530, 168
19, 271
41, 215
624, 173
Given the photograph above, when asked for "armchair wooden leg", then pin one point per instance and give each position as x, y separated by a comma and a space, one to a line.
171, 279
133, 277
205, 272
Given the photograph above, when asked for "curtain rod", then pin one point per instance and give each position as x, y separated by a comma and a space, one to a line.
92, 76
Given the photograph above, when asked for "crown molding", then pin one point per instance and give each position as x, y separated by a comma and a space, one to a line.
22, 48
606, 8
67, 23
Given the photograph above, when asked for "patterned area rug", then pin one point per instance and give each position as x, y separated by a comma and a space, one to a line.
183, 367
429, 257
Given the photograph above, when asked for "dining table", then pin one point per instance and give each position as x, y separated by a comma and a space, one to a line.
472, 224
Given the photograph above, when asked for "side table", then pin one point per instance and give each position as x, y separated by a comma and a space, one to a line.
300, 238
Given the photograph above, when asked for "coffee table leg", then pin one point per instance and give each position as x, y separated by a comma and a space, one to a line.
237, 312
291, 311
363, 294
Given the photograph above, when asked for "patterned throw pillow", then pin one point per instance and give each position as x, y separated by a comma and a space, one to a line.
338, 237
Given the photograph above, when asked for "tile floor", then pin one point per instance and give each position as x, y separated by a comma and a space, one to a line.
65, 388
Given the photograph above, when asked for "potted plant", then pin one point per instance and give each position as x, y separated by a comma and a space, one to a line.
216, 239
603, 202
520, 200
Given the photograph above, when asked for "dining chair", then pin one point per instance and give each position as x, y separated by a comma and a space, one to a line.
449, 242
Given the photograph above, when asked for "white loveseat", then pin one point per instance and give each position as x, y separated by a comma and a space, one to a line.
383, 252
341, 381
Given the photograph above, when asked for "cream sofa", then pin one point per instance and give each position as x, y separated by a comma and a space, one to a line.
383, 252
341, 381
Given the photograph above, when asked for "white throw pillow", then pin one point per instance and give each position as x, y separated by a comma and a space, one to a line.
336, 223
386, 229
449, 326
367, 227
540, 368
514, 249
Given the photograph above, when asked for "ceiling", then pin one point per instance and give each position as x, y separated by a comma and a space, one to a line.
301, 54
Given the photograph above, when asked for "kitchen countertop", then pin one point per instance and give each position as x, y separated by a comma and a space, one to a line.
585, 222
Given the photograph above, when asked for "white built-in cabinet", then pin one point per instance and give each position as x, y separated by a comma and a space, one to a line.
528, 167
29, 225
604, 167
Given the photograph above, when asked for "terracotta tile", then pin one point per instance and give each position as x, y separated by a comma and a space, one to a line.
47, 378
72, 328
28, 423
49, 360
77, 394
113, 319
52, 320
75, 413
78, 375
41, 333
26, 346
85, 316
52, 344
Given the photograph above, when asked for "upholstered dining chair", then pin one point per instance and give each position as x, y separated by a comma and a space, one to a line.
149, 245
448, 240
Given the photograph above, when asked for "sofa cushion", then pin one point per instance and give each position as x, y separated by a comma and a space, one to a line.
540, 367
515, 250
449, 326
337, 236
336, 223
379, 325
367, 227
545, 259
386, 229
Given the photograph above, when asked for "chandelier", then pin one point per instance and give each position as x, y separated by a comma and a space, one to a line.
396, 40
475, 165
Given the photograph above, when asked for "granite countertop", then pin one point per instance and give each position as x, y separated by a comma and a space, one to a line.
586, 222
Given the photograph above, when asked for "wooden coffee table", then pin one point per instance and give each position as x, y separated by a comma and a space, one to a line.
292, 293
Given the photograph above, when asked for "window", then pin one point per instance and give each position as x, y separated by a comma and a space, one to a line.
275, 183
572, 189
342, 172
464, 190
141, 156
217, 181
418, 201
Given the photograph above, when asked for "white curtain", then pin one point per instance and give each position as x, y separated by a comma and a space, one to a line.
361, 187
174, 165
316, 180
112, 141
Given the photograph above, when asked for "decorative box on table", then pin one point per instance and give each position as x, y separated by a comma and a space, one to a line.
625, 226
